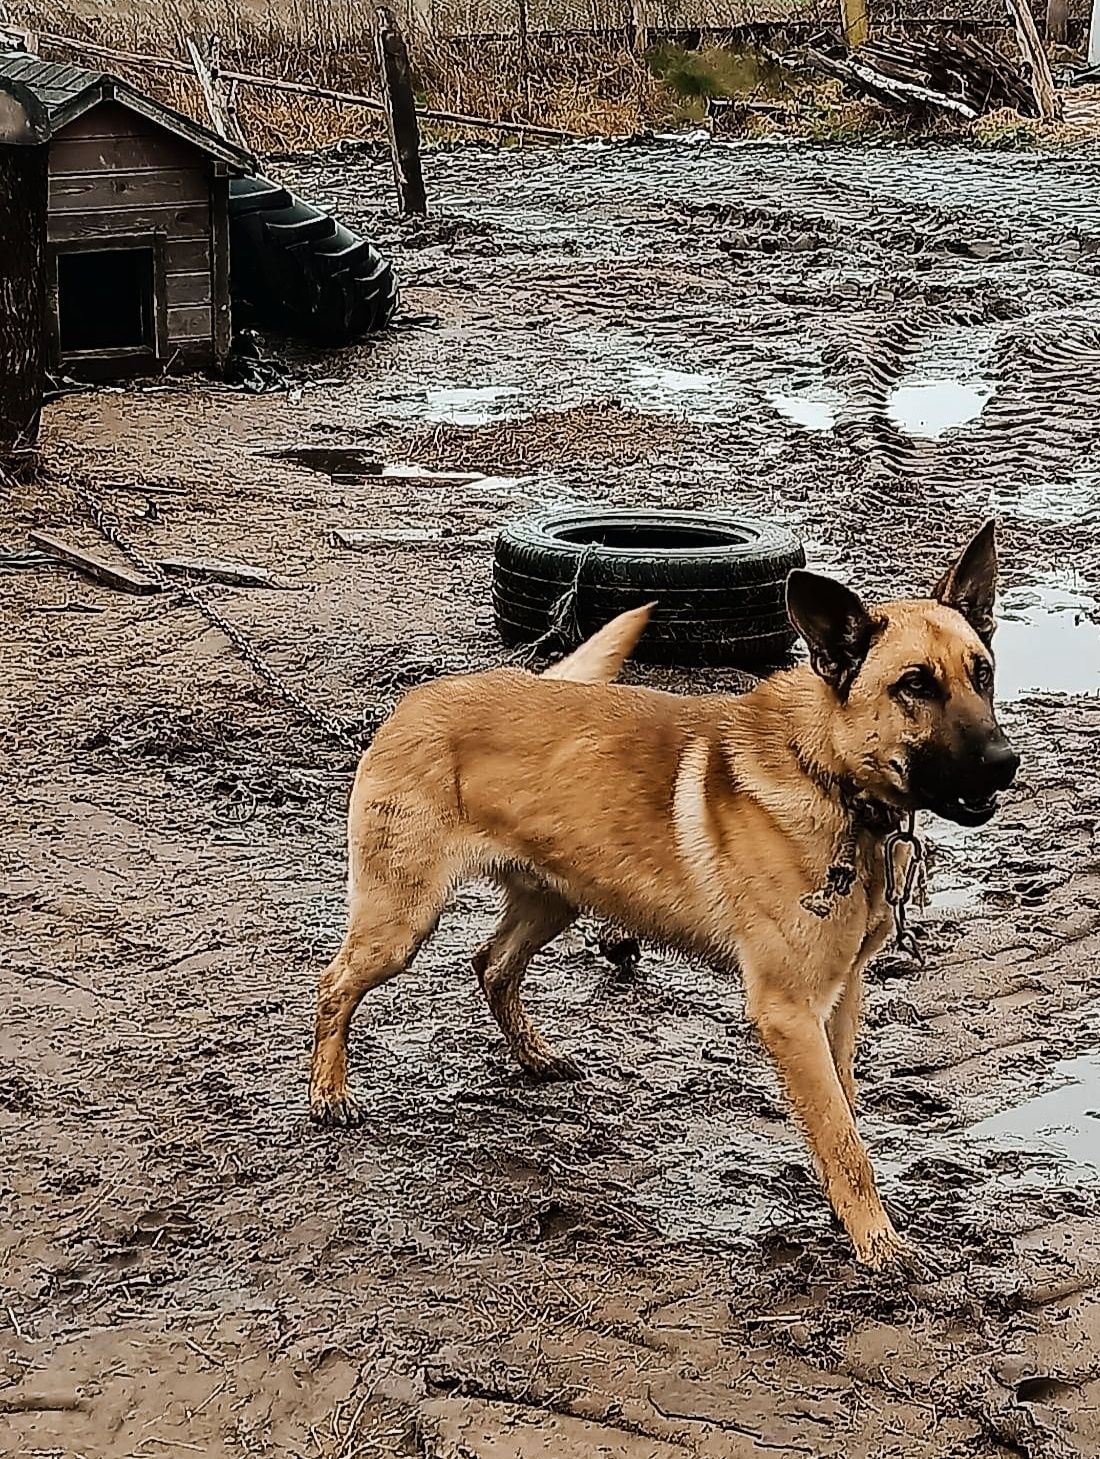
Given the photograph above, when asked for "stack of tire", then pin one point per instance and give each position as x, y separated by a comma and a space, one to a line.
297, 270
718, 582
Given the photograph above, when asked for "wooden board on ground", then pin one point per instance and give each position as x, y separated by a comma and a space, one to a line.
360, 541
218, 570
125, 579
408, 478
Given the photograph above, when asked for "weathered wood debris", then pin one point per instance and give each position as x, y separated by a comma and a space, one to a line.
944, 73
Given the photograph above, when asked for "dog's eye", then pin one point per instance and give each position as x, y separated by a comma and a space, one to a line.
983, 676
918, 684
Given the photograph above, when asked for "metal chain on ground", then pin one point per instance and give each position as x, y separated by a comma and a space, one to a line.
352, 734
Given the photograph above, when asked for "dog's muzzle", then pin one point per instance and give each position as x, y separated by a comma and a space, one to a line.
965, 789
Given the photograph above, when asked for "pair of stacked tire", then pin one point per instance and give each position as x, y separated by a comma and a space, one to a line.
718, 583
299, 271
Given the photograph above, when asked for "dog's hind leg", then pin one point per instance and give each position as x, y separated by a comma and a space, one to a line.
533, 916
395, 896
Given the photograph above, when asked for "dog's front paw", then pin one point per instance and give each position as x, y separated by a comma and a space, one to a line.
335, 1111
552, 1068
884, 1249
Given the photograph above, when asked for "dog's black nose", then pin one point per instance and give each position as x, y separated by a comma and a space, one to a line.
1000, 762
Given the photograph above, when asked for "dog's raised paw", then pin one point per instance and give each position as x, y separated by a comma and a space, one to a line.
331, 1113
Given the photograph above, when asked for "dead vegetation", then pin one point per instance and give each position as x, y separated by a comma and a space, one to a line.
590, 85
596, 87
601, 433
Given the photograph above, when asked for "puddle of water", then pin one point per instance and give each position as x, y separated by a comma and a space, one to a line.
814, 411
1064, 1122
470, 406
1045, 642
1070, 500
952, 894
675, 382
934, 407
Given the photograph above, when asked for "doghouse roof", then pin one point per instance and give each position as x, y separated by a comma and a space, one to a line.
67, 92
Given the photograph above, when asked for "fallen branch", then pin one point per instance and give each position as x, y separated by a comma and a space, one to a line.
945, 73
302, 88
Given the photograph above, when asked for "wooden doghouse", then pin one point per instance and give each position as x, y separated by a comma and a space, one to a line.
138, 227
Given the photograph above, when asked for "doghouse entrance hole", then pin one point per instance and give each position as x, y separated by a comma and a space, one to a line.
105, 300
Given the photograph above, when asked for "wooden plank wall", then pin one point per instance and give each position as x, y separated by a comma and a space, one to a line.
113, 172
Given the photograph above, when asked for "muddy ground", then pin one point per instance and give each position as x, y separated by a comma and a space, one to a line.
875, 348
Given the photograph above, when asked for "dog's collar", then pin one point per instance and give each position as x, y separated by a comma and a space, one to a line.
864, 812
869, 814
864, 815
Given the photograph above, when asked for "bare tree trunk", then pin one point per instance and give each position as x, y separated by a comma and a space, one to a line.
24, 195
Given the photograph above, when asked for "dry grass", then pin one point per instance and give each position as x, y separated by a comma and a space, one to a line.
594, 87
591, 86
600, 433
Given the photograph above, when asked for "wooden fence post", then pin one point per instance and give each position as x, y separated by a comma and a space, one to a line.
24, 198
401, 124
1057, 24
854, 25
639, 24
1047, 100
222, 115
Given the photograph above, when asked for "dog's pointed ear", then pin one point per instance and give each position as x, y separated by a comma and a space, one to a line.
970, 587
836, 626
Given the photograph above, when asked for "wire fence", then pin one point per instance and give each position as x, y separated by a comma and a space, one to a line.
448, 19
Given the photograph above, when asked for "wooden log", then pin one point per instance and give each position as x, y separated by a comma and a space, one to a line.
907, 92
1047, 100
395, 78
24, 195
94, 565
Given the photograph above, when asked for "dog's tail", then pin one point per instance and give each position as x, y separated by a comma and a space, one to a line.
600, 658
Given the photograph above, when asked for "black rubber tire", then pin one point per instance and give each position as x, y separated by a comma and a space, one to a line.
718, 582
297, 270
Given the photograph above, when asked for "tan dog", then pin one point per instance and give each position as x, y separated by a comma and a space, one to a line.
706, 824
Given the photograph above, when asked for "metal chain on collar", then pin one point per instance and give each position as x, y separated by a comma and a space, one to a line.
910, 887
901, 890
352, 734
